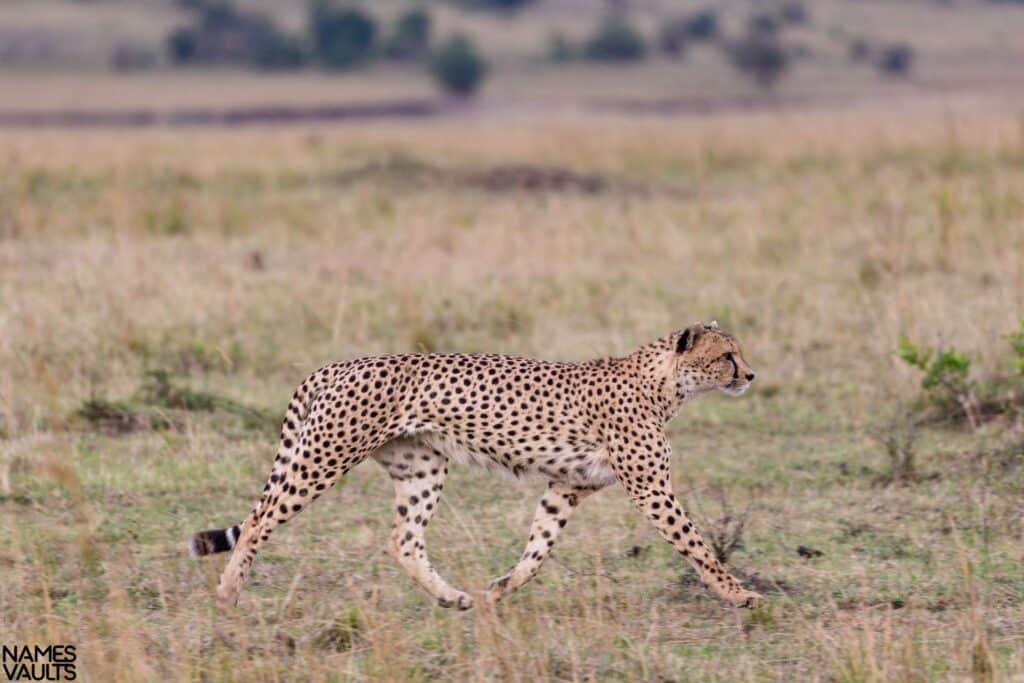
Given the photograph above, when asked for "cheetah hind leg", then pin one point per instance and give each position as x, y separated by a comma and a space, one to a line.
284, 497
302, 473
553, 511
418, 473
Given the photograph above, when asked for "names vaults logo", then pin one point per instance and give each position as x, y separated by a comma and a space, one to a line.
35, 663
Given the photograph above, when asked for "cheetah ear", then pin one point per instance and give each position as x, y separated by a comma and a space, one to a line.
713, 325
688, 338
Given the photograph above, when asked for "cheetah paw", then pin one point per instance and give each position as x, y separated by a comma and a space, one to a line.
227, 598
461, 601
746, 599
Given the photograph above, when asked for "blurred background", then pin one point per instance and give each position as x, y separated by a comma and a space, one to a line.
212, 58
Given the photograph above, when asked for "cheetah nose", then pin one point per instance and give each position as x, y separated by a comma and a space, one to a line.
750, 376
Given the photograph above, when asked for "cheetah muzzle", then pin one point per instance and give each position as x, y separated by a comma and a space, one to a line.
582, 426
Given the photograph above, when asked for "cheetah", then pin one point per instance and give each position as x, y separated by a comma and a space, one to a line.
582, 426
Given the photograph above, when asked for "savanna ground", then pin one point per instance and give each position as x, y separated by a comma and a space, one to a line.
230, 263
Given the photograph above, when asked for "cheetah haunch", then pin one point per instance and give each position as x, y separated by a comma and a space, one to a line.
583, 426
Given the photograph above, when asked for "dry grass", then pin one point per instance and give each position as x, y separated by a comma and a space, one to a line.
238, 261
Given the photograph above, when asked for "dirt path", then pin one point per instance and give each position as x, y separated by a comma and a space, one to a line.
394, 109
228, 117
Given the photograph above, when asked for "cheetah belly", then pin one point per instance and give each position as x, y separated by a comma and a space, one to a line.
589, 469
586, 466
462, 453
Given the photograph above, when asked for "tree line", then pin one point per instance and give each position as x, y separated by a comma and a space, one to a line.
340, 37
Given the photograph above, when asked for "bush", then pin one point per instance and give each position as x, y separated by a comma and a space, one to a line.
794, 13
946, 370
183, 45
945, 379
760, 57
342, 37
220, 16
219, 35
458, 67
224, 35
615, 41
896, 60
272, 49
495, 5
1017, 344
560, 48
703, 25
949, 391
673, 37
411, 37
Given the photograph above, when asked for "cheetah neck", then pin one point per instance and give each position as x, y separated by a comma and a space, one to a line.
656, 369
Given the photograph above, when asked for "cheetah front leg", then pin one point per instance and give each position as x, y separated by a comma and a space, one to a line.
552, 513
418, 473
643, 470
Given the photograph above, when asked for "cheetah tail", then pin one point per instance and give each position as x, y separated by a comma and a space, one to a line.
213, 541
222, 540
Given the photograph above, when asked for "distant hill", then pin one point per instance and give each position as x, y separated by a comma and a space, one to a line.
834, 45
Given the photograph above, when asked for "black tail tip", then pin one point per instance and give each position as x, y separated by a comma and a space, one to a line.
213, 541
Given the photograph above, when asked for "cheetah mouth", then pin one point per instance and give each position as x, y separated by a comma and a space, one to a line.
736, 387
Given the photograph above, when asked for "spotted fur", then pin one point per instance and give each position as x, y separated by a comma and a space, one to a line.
582, 426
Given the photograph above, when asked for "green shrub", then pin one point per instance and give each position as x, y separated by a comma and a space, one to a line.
342, 37
560, 48
271, 49
183, 45
457, 66
220, 15
945, 381
223, 34
951, 393
161, 391
703, 25
495, 5
673, 36
615, 41
761, 57
410, 39
946, 369
112, 417
896, 60
1017, 344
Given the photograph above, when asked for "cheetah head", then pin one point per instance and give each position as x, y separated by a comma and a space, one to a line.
709, 358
